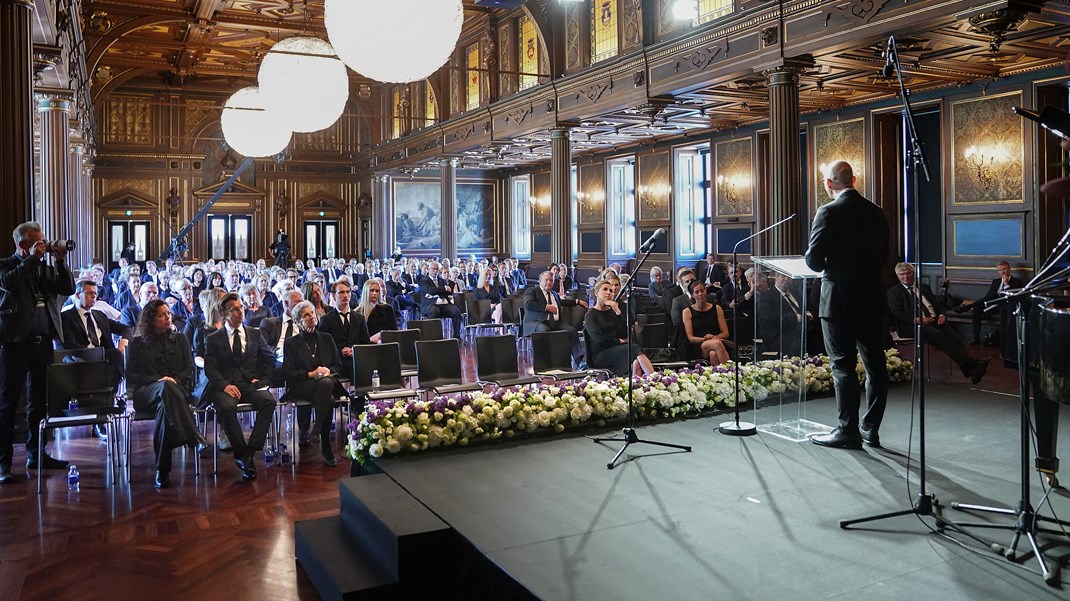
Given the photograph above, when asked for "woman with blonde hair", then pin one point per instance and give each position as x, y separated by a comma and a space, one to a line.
378, 315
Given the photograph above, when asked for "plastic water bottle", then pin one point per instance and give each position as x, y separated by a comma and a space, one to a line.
72, 405
284, 455
375, 378
269, 456
334, 427
72, 478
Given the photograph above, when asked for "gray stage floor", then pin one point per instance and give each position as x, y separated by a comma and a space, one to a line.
743, 518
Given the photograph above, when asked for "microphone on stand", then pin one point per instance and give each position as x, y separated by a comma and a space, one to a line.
888, 70
649, 244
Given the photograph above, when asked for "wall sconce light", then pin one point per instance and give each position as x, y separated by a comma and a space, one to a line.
981, 158
590, 202
727, 187
651, 195
541, 205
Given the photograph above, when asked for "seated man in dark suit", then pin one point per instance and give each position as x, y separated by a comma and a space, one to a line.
677, 289
345, 326
542, 313
277, 330
712, 273
1005, 281
239, 366
903, 300
85, 327
147, 293
434, 299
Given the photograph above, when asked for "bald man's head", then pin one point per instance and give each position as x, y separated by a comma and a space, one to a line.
838, 176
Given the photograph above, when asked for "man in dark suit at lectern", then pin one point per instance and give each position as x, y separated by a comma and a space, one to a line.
849, 242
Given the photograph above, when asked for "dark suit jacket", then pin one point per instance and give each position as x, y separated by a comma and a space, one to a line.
535, 308
429, 291
75, 336
719, 273
993, 289
153, 357
849, 242
331, 323
130, 314
298, 360
901, 306
668, 295
223, 368
17, 301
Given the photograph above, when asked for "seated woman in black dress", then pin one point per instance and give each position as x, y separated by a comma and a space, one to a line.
705, 325
489, 288
310, 365
607, 333
377, 314
159, 374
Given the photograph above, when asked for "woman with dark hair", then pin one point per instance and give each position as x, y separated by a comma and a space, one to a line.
607, 331
311, 366
705, 325
215, 280
377, 314
313, 293
159, 374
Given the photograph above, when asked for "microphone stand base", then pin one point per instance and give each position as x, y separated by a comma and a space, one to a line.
737, 428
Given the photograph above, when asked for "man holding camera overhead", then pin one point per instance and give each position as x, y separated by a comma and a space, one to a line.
31, 291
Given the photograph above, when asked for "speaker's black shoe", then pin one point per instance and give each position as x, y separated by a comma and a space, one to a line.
838, 439
978, 371
162, 480
47, 462
200, 445
303, 439
870, 436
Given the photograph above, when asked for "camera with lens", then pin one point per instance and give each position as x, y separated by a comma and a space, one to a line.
54, 246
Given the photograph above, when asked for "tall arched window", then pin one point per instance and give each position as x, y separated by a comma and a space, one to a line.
430, 107
472, 82
708, 10
605, 39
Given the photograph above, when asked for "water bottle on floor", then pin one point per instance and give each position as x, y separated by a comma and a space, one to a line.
284, 455
72, 478
269, 456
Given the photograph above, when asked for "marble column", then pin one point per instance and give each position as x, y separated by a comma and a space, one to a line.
77, 207
91, 215
560, 194
54, 201
382, 209
785, 184
16, 113
448, 216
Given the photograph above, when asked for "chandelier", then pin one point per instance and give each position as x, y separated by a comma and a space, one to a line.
249, 128
394, 41
303, 82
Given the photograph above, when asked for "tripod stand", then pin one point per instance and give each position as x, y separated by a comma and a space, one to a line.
628, 435
1027, 520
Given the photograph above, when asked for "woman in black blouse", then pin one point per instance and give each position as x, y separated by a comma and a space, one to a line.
377, 314
311, 366
489, 288
159, 374
607, 333
705, 325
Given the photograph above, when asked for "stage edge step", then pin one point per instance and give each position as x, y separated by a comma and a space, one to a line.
338, 567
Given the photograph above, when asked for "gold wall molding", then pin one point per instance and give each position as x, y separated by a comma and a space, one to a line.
144, 186
844, 140
129, 120
733, 181
995, 171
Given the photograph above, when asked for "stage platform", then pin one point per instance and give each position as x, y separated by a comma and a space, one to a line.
740, 518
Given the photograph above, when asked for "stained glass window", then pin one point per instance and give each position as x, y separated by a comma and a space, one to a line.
429, 104
529, 52
604, 42
395, 126
472, 96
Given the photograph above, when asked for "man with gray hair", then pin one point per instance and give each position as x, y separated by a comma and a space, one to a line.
31, 292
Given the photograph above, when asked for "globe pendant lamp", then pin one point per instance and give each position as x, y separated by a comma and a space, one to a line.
394, 41
251, 129
303, 82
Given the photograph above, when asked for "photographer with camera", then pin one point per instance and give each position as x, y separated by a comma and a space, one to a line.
31, 292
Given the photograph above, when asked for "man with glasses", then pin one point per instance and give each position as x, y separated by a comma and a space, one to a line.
130, 313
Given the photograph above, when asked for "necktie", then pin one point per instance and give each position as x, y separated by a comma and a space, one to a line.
550, 301
921, 301
345, 321
237, 344
289, 330
91, 329
791, 303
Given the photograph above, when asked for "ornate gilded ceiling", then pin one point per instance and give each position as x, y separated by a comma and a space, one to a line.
217, 45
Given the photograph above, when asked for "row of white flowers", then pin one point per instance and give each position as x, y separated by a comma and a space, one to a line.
389, 428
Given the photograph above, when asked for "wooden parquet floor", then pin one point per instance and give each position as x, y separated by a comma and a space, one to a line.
206, 538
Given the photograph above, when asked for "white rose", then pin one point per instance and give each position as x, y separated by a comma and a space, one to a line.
376, 450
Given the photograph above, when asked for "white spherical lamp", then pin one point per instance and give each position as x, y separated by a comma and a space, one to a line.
302, 81
394, 41
249, 128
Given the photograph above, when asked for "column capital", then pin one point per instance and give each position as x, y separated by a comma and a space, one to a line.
53, 101
561, 130
448, 162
